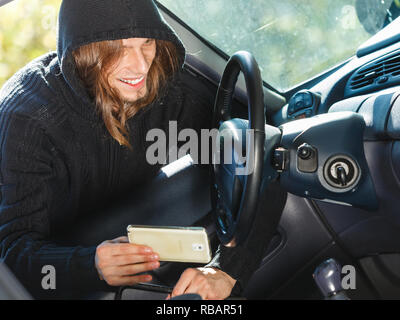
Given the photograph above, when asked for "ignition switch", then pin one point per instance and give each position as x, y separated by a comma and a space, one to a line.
341, 172
341, 175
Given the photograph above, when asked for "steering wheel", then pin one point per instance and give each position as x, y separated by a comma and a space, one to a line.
237, 184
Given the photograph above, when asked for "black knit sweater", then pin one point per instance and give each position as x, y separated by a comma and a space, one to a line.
57, 158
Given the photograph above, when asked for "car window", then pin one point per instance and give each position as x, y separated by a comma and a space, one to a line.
27, 30
292, 40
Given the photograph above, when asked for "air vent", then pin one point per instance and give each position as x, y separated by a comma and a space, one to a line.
379, 74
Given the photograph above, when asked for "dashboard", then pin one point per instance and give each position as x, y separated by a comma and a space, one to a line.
368, 84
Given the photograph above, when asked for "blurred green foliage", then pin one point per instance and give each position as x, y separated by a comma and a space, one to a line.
292, 40
27, 30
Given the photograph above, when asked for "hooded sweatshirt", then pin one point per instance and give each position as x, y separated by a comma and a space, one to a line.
58, 159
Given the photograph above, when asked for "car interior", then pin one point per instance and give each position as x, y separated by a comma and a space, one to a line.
331, 143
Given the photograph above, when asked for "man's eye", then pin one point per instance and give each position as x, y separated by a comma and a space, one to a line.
149, 41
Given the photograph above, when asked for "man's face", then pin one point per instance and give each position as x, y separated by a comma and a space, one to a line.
129, 73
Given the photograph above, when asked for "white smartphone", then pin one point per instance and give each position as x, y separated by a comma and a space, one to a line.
175, 244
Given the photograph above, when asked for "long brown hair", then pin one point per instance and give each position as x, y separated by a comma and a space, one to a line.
92, 62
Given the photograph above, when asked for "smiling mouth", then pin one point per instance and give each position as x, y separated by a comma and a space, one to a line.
133, 83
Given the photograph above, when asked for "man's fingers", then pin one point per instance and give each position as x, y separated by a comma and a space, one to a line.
194, 287
184, 281
125, 260
199, 285
128, 248
117, 249
129, 270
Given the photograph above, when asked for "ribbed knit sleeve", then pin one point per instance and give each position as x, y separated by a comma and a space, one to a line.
28, 194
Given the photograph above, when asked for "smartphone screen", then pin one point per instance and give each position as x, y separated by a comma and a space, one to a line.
175, 244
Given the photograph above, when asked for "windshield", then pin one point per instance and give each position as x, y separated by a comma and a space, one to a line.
292, 40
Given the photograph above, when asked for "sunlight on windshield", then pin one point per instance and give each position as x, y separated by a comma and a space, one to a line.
292, 40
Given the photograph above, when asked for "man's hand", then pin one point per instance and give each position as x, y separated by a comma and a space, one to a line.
118, 261
209, 283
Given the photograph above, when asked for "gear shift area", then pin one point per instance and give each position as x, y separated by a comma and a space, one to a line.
328, 277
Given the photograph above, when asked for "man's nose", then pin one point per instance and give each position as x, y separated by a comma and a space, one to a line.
137, 61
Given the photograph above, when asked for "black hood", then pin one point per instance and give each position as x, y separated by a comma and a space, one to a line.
85, 21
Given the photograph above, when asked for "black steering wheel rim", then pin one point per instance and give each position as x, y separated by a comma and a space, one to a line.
233, 231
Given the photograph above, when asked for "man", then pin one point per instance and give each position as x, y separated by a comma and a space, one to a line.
73, 127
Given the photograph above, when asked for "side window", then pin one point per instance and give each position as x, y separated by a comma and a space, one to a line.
27, 30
